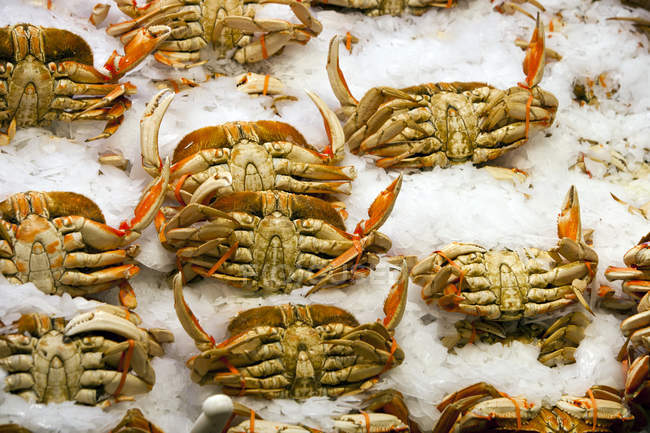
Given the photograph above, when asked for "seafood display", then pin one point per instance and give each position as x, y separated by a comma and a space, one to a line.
48, 74
256, 156
296, 351
257, 199
481, 408
439, 124
95, 356
503, 286
59, 241
227, 26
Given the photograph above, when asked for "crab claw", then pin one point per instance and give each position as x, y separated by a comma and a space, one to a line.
149, 128
190, 323
568, 221
333, 128
336, 78
148, 207
378, 213
381, 208
99, 320
6, 137
395, 303
143, 43
535, 56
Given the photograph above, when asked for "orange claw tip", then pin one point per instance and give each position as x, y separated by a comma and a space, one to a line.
568, 224
395, 303
535, 55
382, 206
604, 290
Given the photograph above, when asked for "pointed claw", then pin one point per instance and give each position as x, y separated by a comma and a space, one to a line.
568, 221
5, 138
332, 127
395, 303
105, 321
121, 90
149, 128
336, 78
381, 208
188, 320
148, 207
127, 296
143, 43
535, 56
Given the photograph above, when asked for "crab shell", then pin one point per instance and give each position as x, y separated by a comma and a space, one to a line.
296, 351
256, 156
439, 124
53, 238
227, 26
47, 74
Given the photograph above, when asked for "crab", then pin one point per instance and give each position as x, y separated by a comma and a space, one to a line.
444, 123
636, 283
481, 408
47, 74
256, 156
59, 241
384, 412
227, 26
273, 241
503, 286
296, 351
375, 8
94, 356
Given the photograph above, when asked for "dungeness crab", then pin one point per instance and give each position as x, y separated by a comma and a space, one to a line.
503, 286
227, 26
47, 74
439, 124
54, 239
636, 328
274, 241
92, 357
296, 351
257, 156
482, 408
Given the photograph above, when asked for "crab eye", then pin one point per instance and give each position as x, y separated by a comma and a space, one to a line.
62, 45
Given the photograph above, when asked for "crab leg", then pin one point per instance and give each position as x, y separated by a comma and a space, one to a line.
6, 137
337, 80
145, 41
378, 212
116, 273
149, 128
188, 320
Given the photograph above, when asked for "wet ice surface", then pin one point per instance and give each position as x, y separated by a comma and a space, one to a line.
462, 203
